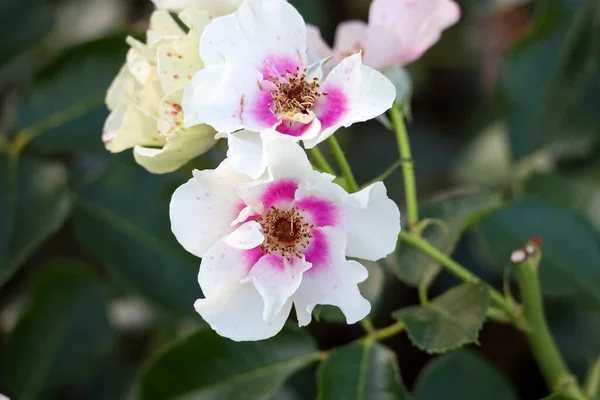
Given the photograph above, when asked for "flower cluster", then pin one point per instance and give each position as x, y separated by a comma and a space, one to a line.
271, 231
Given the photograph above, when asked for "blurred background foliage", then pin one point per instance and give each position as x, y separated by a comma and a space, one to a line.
96, 295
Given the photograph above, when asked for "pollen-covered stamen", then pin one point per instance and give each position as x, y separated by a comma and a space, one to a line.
286, 232
295, 96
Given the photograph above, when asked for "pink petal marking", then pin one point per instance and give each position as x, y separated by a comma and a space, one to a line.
262, 109
277, 65
275, 261
320, 212
252, 256
294, 129
278, 192
332, 108
317, 252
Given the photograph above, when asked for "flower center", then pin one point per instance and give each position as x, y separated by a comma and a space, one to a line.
286, 232
294, 96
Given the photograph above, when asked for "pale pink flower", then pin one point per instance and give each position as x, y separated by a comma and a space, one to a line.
260, 84
398, 32
269, 244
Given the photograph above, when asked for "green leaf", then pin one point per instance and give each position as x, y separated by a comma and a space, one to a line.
462, 375
548, 81
24, 23
63, 111
569, 268
371, 289
63, 333
580, 196
205, 365
366, 370
449, 321
123, 218
35, 202
456, 212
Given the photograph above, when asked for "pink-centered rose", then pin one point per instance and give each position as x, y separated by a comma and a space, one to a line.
281, 241
257, 85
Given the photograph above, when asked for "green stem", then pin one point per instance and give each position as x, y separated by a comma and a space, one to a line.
408, 171
554, 369
367, 325
340, 157
387, 332
458, 270
592, 383
321, 161
383, 176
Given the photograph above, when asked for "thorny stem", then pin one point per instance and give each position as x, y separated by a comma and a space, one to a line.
321, 161
558, 378
408, 171
340, 157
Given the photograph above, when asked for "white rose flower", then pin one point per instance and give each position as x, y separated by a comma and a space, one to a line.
269, 244
145, 98
262, 87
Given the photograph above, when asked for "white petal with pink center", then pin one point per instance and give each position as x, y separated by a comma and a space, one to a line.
282, 240
259, 79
